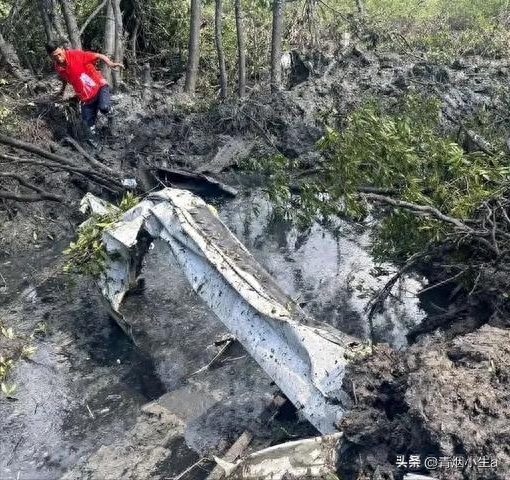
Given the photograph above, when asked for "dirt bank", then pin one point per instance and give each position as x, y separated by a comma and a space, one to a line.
440, 399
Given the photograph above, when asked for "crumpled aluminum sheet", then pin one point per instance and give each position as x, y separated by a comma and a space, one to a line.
305, 358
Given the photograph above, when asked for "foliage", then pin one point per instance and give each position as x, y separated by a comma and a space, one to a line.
441, 29
14, 347
402, 152
87, 255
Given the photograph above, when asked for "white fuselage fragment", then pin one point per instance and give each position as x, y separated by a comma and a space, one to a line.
305, 359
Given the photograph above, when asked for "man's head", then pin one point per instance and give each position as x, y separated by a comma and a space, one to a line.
55, 50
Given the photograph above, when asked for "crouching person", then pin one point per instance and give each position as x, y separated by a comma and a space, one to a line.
77, 67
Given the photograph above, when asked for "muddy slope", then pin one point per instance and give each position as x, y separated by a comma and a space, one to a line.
440, 398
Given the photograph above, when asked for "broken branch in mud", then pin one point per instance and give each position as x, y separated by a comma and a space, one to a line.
376, 304
311, 457
93, 162
443, 282
232, 454
189, 469
59, 161
42, 194
26, 198
222, 350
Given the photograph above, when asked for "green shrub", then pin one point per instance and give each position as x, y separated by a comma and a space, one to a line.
402, 152
87, 255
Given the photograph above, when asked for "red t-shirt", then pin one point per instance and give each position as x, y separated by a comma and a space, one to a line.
81, 73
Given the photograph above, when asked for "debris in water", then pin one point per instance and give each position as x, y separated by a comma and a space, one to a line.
311, 457
305, 358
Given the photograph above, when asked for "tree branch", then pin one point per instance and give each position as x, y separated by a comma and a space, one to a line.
95, 163
28, 198
433, 212
43, 194
92, 16
95, 176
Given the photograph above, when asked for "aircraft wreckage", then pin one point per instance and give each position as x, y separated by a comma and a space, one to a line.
305, 358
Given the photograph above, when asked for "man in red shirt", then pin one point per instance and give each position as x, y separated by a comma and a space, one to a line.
77, 68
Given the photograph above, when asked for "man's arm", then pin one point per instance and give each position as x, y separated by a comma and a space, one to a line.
107, 61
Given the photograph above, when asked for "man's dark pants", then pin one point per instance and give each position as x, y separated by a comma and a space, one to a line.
100, 103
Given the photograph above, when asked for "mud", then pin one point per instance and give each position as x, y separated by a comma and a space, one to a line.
79, 397
439, 398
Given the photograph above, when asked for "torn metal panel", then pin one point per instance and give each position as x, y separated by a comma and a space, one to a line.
306, 359
311, 457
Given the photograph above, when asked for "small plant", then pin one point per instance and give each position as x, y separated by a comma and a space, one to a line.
7, 332
6, 365
8, 390
87, 255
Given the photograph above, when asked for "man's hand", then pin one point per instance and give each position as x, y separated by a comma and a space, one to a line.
116, 66
108, 62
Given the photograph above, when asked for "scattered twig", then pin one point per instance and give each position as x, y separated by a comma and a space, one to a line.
354, 392
90, 411
189, 469
215, 358
444, 282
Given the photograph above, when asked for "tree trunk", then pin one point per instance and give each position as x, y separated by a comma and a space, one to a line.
118, 55
10, 57
193, 48
72, 25
48, 27
134, 36
276, 45
241, 86
360, 7
218, 14
51, 20
146, 83
56, 18
109, 39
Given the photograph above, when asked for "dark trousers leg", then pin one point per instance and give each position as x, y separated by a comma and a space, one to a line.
104, 103
89, 112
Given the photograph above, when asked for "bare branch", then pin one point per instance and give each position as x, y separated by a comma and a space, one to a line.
95, 176
42, 194
95, 163
92, 16
425, 209
28, 198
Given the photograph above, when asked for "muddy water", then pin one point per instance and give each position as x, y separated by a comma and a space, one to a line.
87, 381
329, 270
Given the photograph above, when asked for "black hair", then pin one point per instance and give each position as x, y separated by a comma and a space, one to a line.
52, 45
